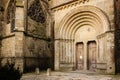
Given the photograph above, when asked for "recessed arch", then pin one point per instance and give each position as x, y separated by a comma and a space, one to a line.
84, 15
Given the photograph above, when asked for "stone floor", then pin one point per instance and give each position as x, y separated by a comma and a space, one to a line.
73, 75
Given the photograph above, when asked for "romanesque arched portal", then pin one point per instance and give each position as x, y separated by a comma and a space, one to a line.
84, 24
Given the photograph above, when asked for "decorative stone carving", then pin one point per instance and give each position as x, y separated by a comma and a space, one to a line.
36, 29
66, 5
38, 18
36, 13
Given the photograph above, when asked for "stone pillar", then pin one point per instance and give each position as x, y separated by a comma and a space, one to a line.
57, 53
74, 54
64, 50
71, 54
1, 25
61, 51
19, 35
85, 55
110, 53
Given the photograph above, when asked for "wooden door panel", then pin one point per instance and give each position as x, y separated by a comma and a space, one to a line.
92, 56
80, 53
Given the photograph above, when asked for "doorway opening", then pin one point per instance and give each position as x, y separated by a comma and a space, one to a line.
91, 56
80, 56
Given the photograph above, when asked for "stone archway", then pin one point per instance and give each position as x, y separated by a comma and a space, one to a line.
65, 39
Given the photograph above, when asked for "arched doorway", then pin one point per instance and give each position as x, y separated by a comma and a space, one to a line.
91, 55
83, 24
84, 37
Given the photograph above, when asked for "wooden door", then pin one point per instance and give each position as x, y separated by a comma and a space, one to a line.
92, 56
80, 55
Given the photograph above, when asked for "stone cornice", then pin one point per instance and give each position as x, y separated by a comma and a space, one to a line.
69, 4
8, 36
65, 39
38, 37
104, 34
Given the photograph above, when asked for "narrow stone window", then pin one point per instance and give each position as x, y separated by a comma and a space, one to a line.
11, 15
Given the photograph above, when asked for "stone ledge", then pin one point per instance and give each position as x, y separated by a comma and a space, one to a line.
8, 36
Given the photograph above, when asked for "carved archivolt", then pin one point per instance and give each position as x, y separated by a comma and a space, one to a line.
86, 15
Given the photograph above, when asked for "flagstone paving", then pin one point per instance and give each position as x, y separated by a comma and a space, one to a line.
72, 75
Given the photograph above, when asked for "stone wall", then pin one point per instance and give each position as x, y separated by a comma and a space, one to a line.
38, 46
27, 38
39, 18
12, 35
37, 53
8, 47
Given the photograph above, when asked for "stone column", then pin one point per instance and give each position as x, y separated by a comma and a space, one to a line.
71, 56
67, 51
85, 55
74, 54
57, 53
101, 50
64, 51
61, 51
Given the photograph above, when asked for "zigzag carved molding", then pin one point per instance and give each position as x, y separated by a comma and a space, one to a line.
69, 4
